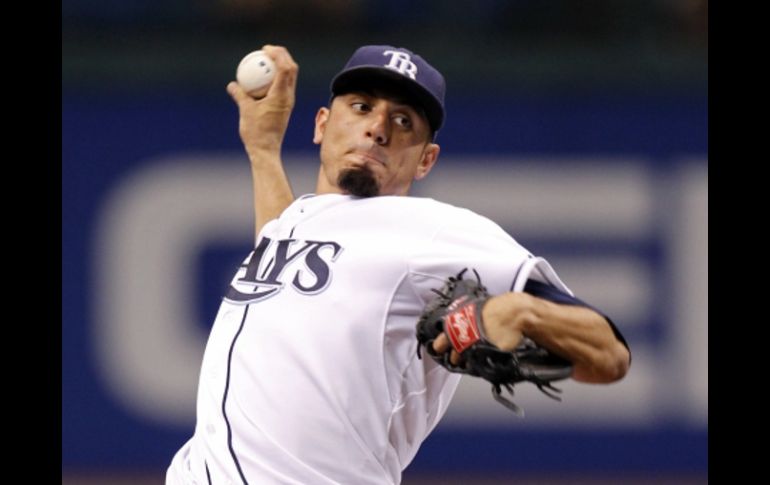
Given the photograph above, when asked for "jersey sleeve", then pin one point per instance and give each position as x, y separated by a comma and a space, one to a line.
474, 242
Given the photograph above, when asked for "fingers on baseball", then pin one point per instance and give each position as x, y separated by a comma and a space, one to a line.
237, 93
286, 68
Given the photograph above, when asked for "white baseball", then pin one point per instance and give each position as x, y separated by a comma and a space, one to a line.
255, 73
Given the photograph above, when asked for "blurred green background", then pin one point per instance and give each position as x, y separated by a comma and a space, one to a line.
496, 44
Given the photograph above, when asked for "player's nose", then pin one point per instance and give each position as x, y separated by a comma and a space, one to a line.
378, 128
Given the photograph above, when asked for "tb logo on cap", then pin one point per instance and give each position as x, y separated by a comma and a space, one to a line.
401, 62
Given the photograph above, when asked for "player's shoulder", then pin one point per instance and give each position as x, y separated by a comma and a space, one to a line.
416, 206
431, 212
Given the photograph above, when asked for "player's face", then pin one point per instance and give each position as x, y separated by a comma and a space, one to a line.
376, 132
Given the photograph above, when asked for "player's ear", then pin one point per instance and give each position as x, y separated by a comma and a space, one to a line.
429, 158
320, 125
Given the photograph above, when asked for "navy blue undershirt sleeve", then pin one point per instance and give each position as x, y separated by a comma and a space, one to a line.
551, 293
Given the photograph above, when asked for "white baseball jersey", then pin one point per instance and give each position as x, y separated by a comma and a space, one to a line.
311, 374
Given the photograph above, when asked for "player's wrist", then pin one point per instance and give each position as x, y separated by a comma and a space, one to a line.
534, 311
264, 156
523, 312
263, 141
506, 317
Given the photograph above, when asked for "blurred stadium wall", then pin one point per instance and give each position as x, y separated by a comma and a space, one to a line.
581, 127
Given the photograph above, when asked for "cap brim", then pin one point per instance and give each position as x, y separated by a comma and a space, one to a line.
370, 77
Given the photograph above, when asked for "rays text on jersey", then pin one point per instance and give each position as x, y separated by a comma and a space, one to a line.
305, 265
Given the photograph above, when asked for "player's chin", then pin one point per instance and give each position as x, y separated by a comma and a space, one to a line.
359, 181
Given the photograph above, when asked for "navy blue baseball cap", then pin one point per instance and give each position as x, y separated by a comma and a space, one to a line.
399, 68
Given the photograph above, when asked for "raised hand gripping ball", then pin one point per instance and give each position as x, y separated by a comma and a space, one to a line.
255, 73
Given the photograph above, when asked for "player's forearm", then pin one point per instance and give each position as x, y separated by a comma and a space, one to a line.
582, 336
262, 125
272, 192
574, 332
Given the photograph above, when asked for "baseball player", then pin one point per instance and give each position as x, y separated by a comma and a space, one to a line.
311, 374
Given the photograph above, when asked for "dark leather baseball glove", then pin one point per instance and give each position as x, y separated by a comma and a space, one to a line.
456, 310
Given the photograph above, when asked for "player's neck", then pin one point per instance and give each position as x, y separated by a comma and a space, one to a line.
324, 187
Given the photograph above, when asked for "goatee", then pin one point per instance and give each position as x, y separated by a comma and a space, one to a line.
358, 181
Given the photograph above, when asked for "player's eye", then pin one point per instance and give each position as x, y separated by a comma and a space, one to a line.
403, 121
361, 107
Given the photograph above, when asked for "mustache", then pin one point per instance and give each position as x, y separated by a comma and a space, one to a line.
370, 150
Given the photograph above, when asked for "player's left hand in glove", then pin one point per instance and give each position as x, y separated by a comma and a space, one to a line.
457, 311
